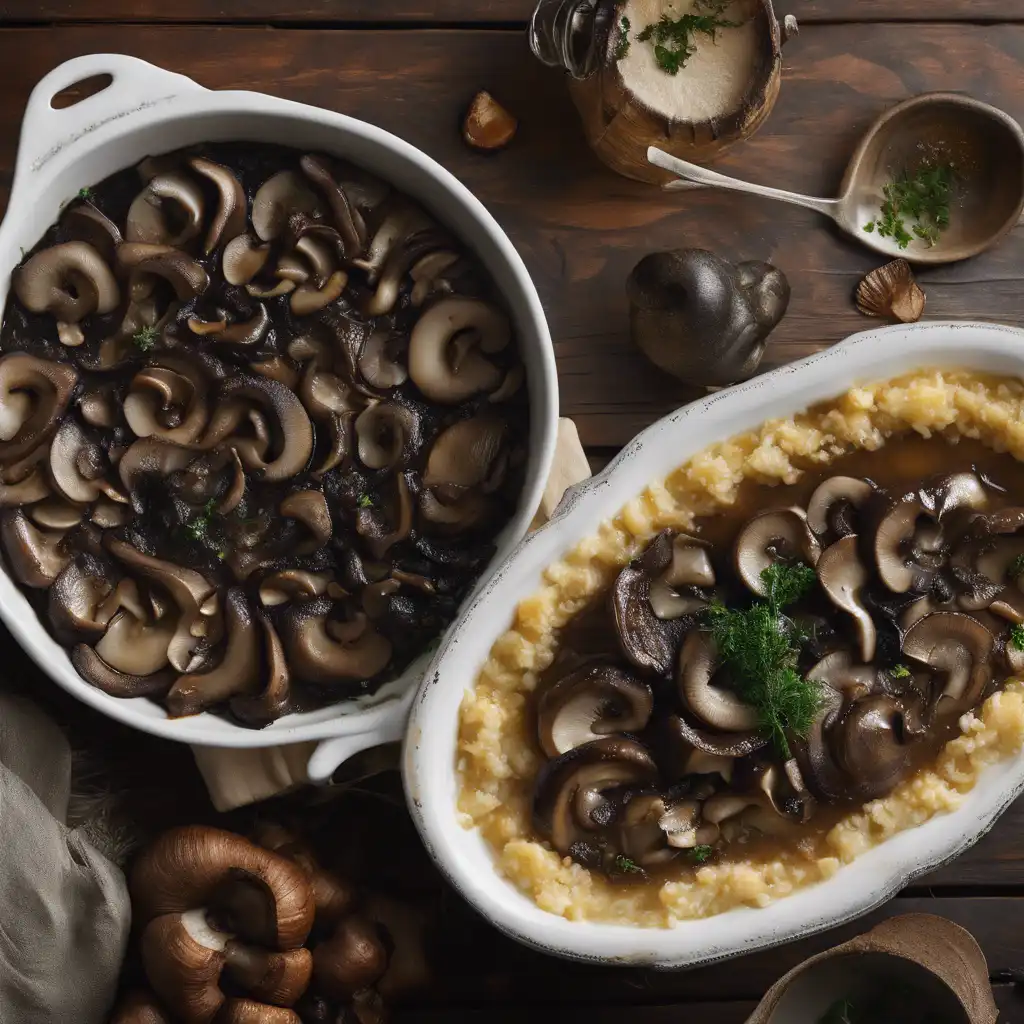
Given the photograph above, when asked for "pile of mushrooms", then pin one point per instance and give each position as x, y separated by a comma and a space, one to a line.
234, 931
650, 750
247, 445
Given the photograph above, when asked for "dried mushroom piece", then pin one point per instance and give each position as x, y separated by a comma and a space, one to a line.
488, 125
892, 293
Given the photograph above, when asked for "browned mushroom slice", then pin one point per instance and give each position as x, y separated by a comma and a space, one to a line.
872, 745
168, 402
591, 702
32, 487
840, 672
83, 222
33, 396
380, 361
958, 646
185, 275
93, 669
383, 527
387, 435
149, 457
274, 700
674, 592
69, 281
400, 220
310, 509
318, 657
347, 219
36, 557
780, 534
832, 508
843, 576
956, 491
648, 642
82, 600
449, 345
229, 220
308, 298
236, 673
722, 744
276, 200
814, 753
244, 257
77, 464
397, 268
785, 791
641, 835
908, 547
246, 332
291, 584
168, 211
715, 706
429, 274
571, 798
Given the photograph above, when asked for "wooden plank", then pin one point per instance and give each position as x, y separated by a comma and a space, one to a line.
466, 12
579, 227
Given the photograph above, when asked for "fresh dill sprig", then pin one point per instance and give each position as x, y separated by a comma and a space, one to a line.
145, 339
627, 866
760, 649
1017, 636
199, 526
673, 38
900, 671
701, 854
622, 46
921, 198
365, 501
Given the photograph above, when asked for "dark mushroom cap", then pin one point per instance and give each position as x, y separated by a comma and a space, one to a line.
959, 647
871, 745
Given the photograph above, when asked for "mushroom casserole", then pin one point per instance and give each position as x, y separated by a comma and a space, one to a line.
261, 419
800, 643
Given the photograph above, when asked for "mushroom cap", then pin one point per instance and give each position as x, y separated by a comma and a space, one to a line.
871, 744
834, 497
229, 220
149, 217
674, 592
894, 534
196, 866
958, 645
769, 536
276, 200
93, 669
244, 257
36, 557
679, 729
842, 576
352, 958
591, 702
34, 394
715, 706
571, 783
387, 435
274, 700
70, 281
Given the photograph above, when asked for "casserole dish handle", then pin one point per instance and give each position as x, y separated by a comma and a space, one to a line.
332, 753
47, 131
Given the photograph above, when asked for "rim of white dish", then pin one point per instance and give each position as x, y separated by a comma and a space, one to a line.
430, 750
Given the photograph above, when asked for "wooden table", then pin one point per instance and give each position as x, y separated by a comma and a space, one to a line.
411, 66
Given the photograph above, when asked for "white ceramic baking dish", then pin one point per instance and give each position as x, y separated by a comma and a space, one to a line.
429, 756
145, 110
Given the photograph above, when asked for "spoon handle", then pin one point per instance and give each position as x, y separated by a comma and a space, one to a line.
693, 176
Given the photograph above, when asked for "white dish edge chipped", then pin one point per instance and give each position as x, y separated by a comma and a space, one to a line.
429, 756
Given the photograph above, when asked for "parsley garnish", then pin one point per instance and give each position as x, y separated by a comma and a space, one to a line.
85, 193
701, 854
627, 866
899, 672
198, 527
673, 39
760, 648
922, 199
1016, 567
1017, 636
146, 338
622, 46
365, 501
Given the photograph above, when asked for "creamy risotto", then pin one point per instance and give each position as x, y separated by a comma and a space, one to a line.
938, 426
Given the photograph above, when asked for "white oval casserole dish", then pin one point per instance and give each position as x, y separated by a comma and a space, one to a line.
146, 110
431, 778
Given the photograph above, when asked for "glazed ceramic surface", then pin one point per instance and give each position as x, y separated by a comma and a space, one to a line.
429, 758
145, 110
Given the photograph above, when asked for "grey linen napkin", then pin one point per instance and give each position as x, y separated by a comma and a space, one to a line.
64, 908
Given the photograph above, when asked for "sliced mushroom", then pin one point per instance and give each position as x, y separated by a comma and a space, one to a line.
229, 220
347, 218
82, 601
76, 464
244, 257
280, 587
387, 435
149, 457
906, 554
104, 677
310, 509
36, 557
784, 789
398, 266
400, 221
833, 506
136, 645
872, 745
308, 299
70, 281
168, 402
235, 674
168, 211
715, 706
569, 800
184, 274
843, 576
949, 493
317, 657
467, 454
379, 361
385, 527
679, 729
246, 332
814, 753
840, 672
674, 593
448, 348
591, 702
959, 646
276, 200
777, 535
83, 222
33, 396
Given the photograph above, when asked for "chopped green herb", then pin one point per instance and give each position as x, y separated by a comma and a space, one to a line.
627, 866
673, 38
700, 854
899, 672
1017, 636
146, 338
85, 193
365, 501
760, 648
922, 199
622, 46
198, 527
1016, 567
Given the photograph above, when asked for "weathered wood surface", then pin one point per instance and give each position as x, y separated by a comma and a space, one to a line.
467, 12
579, 227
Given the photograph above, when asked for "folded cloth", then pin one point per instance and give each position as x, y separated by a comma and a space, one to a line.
64, 908
237, 777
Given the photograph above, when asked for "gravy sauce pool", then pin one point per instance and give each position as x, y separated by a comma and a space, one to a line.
903, 465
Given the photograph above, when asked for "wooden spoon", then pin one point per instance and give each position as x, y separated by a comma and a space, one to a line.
984, 146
